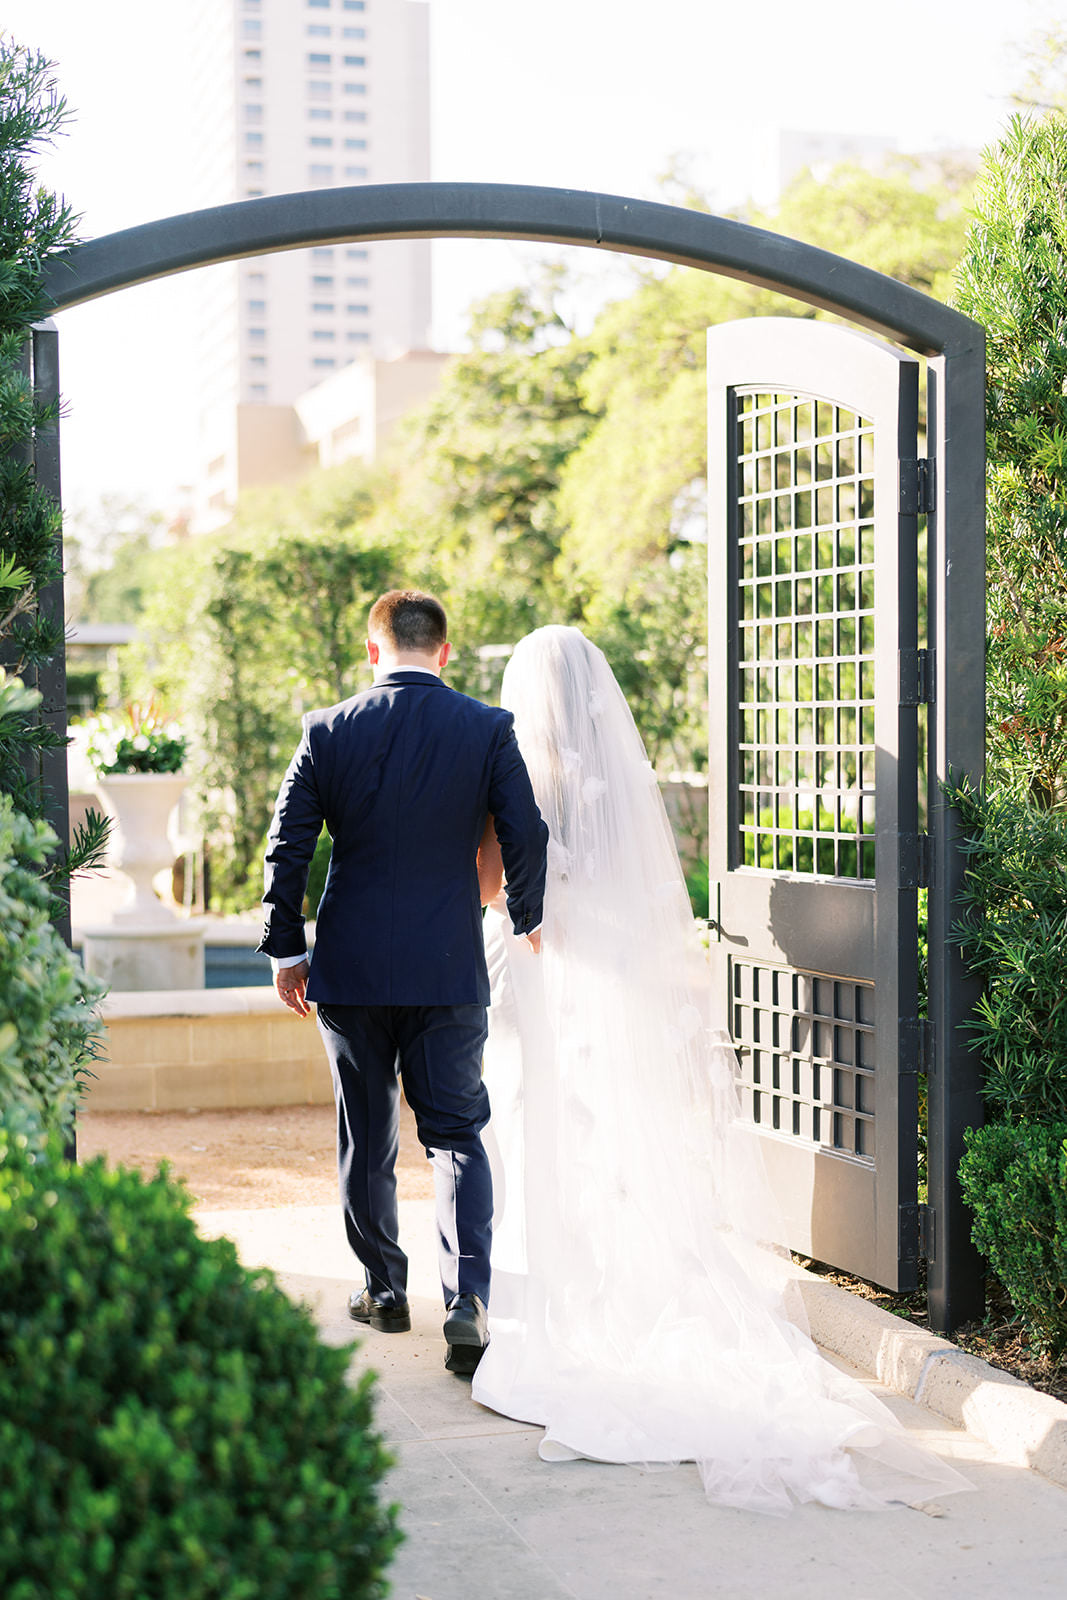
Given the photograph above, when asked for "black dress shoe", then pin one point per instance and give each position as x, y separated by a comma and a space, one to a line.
466, 1333
387, 1319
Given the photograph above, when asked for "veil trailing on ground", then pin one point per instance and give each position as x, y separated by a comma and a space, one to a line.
638, 1308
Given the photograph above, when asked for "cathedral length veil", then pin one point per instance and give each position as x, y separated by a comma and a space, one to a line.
639, 1314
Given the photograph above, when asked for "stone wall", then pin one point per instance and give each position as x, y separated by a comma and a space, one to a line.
176, 1049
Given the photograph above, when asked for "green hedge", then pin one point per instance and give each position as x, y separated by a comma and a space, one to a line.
1013, 931
1015, 1182
170, 1425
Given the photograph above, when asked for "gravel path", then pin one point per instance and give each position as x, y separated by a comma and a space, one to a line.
243, 1160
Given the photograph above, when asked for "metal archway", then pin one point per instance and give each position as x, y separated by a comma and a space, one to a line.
955, 348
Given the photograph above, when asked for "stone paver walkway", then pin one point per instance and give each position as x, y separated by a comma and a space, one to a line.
486, 1519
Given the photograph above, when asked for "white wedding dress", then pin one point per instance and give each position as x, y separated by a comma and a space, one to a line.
639, 1313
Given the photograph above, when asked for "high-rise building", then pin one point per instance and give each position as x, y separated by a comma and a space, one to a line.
290, 95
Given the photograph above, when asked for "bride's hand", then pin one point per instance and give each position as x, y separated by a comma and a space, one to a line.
534, 941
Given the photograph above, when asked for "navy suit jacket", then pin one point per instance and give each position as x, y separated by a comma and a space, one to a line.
403, 775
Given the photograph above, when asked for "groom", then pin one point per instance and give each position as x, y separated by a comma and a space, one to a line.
404, 775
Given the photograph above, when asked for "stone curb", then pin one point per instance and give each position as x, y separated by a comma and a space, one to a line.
1021, 1424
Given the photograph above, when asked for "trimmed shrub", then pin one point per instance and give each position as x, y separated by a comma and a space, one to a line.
48, 1028
1015, 1182
170, 1425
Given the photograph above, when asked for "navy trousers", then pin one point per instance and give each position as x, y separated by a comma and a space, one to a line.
436, 1051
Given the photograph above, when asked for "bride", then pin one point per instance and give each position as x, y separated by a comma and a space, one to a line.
639, 1313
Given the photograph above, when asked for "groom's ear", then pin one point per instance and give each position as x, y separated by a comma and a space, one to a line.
446, 651
373, 652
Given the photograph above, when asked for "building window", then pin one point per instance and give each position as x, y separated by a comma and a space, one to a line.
357, 283
321, 143
316, 58
317, 90
252, 55
323, 335
253, 194
355, 116
317, 31
257, 308
355, 61
322, 308
253, 166
358, 173
255, 277
319, 281
253, 113
253, 141
354, 33
355, 144
355, 88
357, 254
354, 5
320, 114
257, 335
257, 361
318, 5
323, 252
251, 28
320, 172
358, 336
257, 391
324, 361
357, 310
253, 83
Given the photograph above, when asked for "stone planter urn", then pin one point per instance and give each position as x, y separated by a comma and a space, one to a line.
141, 806
146, 945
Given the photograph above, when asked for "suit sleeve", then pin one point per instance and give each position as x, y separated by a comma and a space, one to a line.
521, 831
294, 832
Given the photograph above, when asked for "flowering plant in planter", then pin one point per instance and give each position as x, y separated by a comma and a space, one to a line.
141, 740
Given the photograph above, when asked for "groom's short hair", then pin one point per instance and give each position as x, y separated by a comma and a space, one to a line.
409, 620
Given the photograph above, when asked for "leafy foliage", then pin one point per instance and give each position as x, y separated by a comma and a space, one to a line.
1013, 931
48, 1028
1013, 279
142, 740
248, 630
170, 1425
1015, 1181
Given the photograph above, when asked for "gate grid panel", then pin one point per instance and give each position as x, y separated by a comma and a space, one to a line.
806, 647
814, 774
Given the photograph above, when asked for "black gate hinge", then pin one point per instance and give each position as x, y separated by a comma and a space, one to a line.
915, 860
916, 1052
916, 486
916, 1239
916, 677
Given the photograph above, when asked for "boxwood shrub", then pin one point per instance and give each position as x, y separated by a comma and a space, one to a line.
1015, 1181
171, 1427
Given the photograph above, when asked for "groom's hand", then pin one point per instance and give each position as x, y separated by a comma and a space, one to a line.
291, 984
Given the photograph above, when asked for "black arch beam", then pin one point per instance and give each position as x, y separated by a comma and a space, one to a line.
508, 211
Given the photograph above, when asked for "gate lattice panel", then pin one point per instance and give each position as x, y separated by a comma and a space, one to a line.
813, 618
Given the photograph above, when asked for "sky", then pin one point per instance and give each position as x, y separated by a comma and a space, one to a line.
586, 94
